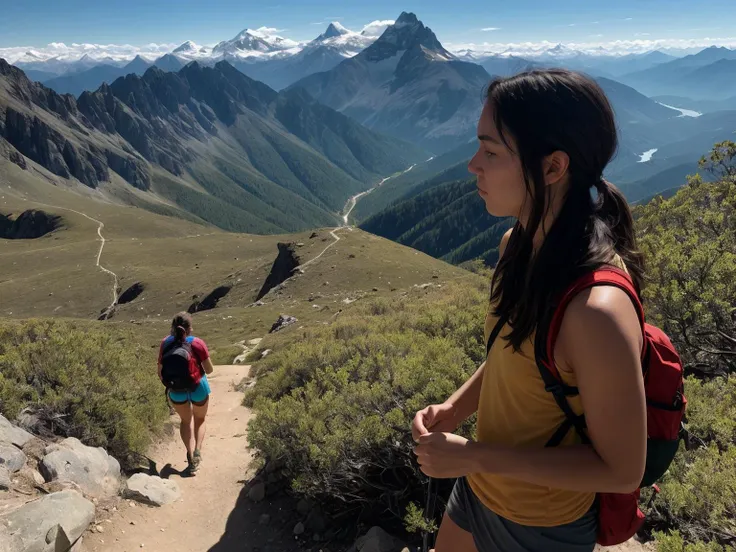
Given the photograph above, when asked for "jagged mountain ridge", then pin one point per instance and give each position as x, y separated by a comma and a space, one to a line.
277, 156
408, 85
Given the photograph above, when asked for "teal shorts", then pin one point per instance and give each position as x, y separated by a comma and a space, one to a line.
199, 396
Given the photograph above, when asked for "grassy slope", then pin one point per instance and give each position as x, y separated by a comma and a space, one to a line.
56, 275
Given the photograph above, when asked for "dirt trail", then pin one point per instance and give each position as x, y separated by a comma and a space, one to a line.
197, 521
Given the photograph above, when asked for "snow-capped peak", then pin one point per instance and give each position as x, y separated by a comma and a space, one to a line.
187, 46
335, 29
263, 40
340, 40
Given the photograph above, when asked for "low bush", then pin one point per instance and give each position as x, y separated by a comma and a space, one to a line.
337, 403
85, 380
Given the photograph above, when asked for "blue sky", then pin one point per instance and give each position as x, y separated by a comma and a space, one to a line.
40, 22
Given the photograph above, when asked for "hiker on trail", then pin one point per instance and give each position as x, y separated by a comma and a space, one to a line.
544, 139
183, 365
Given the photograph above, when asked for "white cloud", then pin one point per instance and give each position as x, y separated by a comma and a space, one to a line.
596, 36
642, 34
491, 29
629, 19
68, 53
376, 28
611, 47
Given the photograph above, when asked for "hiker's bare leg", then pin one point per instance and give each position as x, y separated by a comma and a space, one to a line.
200, 413
453, 539
185, 427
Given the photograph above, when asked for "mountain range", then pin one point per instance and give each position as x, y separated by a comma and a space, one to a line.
707, 75
203, 133
408, 85
206, 142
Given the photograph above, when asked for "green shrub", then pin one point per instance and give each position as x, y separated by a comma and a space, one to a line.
82, 380
673, 542
225, 355
336, 404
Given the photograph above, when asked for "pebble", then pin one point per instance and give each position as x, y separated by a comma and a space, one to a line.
99, 529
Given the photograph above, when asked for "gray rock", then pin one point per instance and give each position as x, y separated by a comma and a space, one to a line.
12, 434
151, 490
49, 524
95, 472
257, 492
37, 477
11, 457
377, 540
303, 507
5, 482
299, 529
8, 542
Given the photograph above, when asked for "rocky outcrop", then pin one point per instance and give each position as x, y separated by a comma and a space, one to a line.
283, 321
5, 482
52, 523
18, 159
151, 490
282, 269
132, 170
131, 293
210, 301
377, 540
11, 457
12, 434
38, 141
28, 225
95, 472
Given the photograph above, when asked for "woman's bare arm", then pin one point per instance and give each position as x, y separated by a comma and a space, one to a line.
207, 365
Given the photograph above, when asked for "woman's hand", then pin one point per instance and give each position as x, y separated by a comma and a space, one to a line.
435, 418
446, 455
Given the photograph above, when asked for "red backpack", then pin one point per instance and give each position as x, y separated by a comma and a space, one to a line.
619, 516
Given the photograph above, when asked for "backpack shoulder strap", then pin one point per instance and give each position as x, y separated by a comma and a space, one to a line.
494, 333
545, 347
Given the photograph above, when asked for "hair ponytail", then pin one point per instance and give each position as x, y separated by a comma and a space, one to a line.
613, 211
181, 325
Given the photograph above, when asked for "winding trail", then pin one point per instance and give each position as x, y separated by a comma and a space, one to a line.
349, 206
100, 226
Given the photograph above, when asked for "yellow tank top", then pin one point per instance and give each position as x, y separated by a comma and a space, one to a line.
515, 410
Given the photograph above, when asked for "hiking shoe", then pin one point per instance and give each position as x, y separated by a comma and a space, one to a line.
197, 458
192, 464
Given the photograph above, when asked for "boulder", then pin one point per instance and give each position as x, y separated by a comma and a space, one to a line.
51, 523
257, 492
151, 489
11, 457
282, 269
12, 434
95, 472
377, 540
283, 321
5, 483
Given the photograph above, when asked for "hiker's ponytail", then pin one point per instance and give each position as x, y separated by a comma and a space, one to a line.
181, 325
612, 210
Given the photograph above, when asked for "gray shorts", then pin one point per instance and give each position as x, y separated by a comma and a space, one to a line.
492, 533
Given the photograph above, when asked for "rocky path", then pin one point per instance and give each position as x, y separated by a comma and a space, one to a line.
197, 521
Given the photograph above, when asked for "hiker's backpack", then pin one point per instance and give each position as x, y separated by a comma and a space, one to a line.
179, 369
619, 516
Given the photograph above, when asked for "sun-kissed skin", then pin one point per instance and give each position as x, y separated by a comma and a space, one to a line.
606, 362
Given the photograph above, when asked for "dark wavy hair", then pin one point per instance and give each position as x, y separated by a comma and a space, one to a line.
546, 111
180, 325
